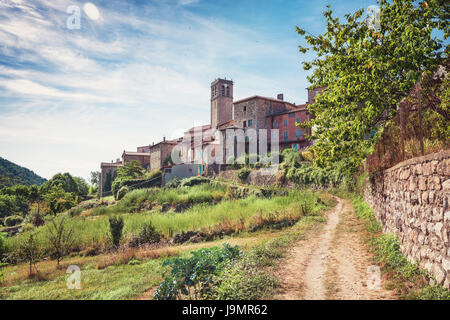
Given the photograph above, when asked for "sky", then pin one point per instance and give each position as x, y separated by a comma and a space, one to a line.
135, 71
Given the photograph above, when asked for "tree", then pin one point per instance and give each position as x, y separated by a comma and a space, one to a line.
115, 229
132, 169
63, 180
58, 200
83, 186
3, 251
30, 251
61, 238
367, 70
95, 177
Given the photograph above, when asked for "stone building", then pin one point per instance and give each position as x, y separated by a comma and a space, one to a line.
160, 152
221, 102
142, 157
203, 143
291, 136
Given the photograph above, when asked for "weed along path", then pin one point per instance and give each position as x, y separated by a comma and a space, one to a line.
330, 263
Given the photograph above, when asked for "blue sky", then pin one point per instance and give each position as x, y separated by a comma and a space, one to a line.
70, 99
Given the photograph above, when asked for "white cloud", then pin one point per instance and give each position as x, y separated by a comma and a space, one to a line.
127, 83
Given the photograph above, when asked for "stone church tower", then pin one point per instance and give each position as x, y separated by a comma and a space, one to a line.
221, 102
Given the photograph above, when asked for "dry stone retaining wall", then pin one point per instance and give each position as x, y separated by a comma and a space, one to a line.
411, 201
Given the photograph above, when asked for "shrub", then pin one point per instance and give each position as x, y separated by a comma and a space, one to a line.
174, 183
148, 234
193, 277
189, 182
115, 229
60, 236
434, 292
13, 221
122, 192
243, 174
30, 251
3, 248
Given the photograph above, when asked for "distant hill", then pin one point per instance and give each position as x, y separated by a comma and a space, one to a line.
12, 174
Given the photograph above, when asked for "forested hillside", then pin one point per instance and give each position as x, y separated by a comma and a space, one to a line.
12, 174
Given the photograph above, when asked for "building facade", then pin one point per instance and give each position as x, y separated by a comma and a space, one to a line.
203, 143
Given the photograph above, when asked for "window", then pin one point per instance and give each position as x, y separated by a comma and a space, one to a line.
285, 136
297, 120
291, 115
245, 124
275, 124
228, 91
245, 108
250, 123
285, 123
298, 133
223, 90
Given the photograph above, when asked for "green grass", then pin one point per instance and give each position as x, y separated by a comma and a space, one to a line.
92, 231
134, 200
115, 282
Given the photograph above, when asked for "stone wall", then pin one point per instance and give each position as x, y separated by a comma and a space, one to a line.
411, 201
257, 178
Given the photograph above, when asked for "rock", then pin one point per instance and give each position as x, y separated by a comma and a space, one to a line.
422, 183
446, 185
165, 207
446, 263
180, 207
438, 273
405, 174
424, 197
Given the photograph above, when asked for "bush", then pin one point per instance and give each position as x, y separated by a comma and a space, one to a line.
243, 174
193, 277
30, 251
3, 248
147, 235
115, 229
189, 182
122, 192
13, 221
174, 183
147, 181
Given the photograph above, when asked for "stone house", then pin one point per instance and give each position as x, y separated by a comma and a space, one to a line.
206, 144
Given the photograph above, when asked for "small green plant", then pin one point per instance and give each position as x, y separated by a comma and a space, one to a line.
122, 192
61, 237
174, 183
116, 229
435, 292
305, 208
30, 251
147, 235
193, 277
243, 174
2, 255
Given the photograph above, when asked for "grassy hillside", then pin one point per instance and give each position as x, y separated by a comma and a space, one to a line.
12, 174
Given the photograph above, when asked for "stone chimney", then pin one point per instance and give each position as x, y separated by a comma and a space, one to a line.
164, 139
280, 96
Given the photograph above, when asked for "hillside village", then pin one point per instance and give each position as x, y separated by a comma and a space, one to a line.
344, 197
255, 112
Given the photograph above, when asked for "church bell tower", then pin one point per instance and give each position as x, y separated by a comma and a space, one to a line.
221, 102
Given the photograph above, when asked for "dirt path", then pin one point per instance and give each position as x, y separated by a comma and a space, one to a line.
330, 263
